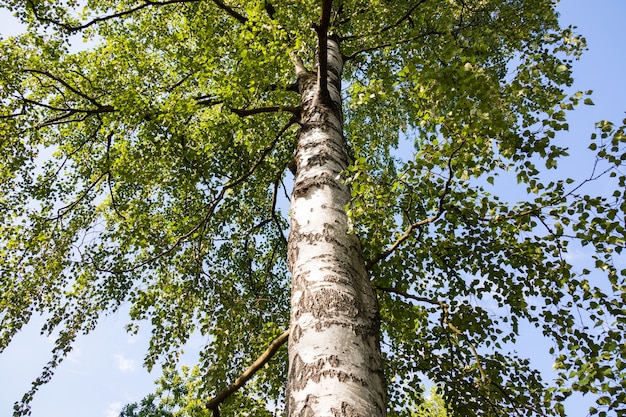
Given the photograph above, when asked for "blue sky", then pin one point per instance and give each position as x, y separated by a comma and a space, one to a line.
105, 371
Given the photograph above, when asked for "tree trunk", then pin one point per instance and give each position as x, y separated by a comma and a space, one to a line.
335, 366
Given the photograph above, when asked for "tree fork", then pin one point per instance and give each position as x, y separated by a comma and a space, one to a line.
335, 366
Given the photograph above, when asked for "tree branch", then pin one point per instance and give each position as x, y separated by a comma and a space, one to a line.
66, 85
444, 322
72, 29
110, 175
269, 9
213, 101
214, 204
411, 296
421, 223
273, 347
301, 69
274, 216
232, 12
452, 327
388, 44
398, 242
269, 109
62, 119
208, 101
65, 209
322, 59
406, 16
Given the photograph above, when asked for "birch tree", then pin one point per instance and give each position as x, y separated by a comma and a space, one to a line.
375, 182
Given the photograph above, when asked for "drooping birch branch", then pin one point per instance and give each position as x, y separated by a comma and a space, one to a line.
445, 307
419, 225
213, 207
405, 294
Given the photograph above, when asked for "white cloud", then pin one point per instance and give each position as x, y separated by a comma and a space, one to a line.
124, 364
113, 410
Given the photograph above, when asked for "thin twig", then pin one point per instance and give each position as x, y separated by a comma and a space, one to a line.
65, 209
452, 327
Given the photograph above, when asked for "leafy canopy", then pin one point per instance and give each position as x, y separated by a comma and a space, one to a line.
147, 169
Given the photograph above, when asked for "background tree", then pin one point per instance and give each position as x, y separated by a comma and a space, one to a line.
432, 406
148, 169
146, 408
178, 393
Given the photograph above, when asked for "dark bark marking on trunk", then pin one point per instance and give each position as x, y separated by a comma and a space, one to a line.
322, 157
346, 411
307, 410
295, 333
321, 368
360, 330
323, 302
302, 187
328, 234
318, 119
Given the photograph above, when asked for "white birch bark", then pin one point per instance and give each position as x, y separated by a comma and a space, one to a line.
335, 366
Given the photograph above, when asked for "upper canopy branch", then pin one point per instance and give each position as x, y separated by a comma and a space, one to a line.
148, 3
232, 12
243, 112
454, 31
75, 28
406, 16
322, 36
388, 44
65, 84
301, 69
268, 109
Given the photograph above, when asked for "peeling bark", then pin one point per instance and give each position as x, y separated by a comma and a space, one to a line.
335, 366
